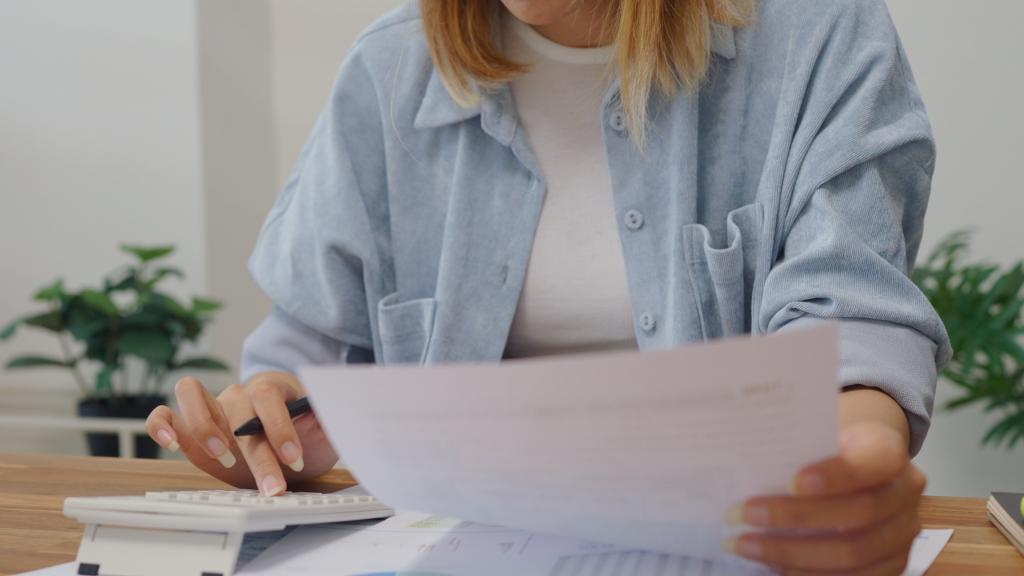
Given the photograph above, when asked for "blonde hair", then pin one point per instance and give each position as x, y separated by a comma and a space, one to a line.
661, 44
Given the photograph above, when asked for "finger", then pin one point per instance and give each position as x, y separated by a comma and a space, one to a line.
869, 456
892, 567
205, 425
164, 419
845, 552
160, 429
845, 513
268, 399
256, 450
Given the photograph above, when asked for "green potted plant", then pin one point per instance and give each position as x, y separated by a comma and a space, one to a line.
981, 305
127, 333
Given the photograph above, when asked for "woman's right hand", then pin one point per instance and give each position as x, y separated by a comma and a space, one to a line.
286, 451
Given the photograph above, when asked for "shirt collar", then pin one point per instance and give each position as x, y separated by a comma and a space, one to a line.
438, 108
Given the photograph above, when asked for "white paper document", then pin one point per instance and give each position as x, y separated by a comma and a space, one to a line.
640, 450
430, 546
925, 549
424, 545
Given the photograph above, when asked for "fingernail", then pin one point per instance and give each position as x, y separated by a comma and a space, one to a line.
807, 485
271, 487
166, 440
730, 544
734, 515
749, 548
220, 452
290, 454
227, 459
216, 446
757, 515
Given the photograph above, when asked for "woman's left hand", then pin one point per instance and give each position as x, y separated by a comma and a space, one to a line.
865, 500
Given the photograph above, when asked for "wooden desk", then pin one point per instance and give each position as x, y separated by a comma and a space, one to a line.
35, 534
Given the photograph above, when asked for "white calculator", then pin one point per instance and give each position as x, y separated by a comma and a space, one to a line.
197, 533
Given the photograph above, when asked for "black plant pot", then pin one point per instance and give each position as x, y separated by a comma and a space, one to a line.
101, 444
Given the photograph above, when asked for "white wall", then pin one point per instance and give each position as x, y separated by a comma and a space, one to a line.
310, 39
238, 163
967, 59
99, 145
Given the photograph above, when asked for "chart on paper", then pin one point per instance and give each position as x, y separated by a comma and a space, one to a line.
637, 563
412, 544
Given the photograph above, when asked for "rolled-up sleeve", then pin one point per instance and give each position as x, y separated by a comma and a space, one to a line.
895, 359
282, 344
854, 222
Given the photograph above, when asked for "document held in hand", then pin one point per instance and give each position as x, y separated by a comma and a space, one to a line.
639, 449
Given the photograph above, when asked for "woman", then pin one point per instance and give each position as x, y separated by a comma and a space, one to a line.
529, 177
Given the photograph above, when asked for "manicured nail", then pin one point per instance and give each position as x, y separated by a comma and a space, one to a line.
220, 452
271, 487
749, 548
746, 547
167, 441
730, 544
807, 484
290, 454
750, 514
757, 515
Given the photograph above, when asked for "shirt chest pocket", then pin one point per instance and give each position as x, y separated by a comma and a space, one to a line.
405, 329
722, 277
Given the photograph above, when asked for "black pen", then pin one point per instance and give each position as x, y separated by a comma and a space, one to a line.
296, 408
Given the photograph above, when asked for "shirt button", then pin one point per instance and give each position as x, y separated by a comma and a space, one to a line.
648, 323
634, 220
617, 120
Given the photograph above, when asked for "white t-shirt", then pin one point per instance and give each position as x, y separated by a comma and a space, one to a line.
575, 297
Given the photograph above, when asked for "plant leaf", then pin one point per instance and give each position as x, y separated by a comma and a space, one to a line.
100, 302
84, 320
9, 330
127, 280
153, 347
101, 349
50, 293
148, 253
203, 363
51, 321
166, 304
1008, 425
205, 305
161, 273
149, 319
38, 362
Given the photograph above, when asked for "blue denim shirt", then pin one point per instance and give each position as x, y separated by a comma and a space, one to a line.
790, 189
